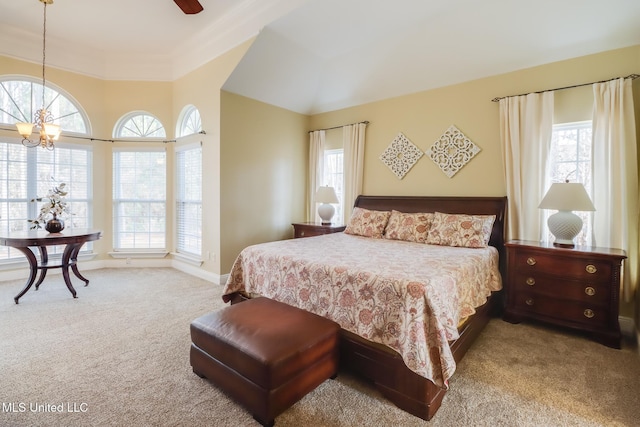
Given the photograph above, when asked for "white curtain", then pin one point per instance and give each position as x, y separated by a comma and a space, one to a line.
316, 169
615, 174
353, 140
526, 124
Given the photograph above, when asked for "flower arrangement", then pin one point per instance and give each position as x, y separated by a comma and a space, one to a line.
54, 205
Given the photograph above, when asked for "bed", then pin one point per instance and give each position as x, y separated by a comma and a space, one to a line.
405, 324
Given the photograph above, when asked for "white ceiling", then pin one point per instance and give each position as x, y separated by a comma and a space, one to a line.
132, 39
312, 56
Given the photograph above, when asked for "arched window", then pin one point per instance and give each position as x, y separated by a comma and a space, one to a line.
139, 124
21, 97
189, 121
27, 174
139, 187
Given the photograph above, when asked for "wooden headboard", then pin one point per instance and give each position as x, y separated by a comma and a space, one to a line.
461, 205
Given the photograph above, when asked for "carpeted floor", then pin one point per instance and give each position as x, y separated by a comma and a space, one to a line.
119, 356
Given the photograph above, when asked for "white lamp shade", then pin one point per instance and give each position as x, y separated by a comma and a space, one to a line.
25, 129
52, 131
567, 196
326, 195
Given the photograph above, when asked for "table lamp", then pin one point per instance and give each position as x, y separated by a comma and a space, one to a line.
326, 196
566, 197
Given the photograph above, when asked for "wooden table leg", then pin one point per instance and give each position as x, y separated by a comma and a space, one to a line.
74, 263
44, 259
33, 264
66, 256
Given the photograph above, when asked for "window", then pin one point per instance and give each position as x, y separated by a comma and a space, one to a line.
570, 159
139, 199
20, 99
189, 200
26, 174
73, 167
333, 176
189, 122
139, 124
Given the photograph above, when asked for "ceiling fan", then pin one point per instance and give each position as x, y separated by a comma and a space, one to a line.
190, 7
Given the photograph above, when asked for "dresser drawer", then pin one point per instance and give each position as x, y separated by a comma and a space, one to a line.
583, 291
575, 288
591, 316
580, 269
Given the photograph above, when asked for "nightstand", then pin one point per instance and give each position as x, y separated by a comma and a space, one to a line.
310, 229
576, 288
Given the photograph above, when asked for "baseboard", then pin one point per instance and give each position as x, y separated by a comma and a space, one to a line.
629, 331
627, 327
21, 270
188, 268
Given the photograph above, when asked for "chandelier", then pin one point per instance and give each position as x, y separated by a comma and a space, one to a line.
43, 119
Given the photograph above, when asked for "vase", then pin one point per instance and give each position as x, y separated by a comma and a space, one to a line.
54, 225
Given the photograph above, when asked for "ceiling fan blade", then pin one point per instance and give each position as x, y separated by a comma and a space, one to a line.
190, 7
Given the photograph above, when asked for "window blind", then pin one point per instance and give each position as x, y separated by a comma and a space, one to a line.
26, 174
139, 199
189, 201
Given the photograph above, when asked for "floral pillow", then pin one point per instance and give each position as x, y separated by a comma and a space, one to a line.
411, 227
367, 223
471, 231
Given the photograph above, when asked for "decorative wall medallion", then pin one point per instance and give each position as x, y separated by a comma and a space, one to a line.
401, 155
452, 151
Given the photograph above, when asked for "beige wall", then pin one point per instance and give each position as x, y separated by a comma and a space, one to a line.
424, 116
264, 153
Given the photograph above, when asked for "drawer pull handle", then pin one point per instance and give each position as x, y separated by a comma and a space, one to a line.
588, 313
531, 281
591, 268
529, 301
589, 291
531, 261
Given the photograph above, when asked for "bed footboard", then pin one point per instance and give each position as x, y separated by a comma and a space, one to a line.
386, 370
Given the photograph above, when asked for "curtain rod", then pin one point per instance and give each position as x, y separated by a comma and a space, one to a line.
366, 122
631, 76
90, 139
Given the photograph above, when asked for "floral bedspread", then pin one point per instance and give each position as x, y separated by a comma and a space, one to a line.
408, 296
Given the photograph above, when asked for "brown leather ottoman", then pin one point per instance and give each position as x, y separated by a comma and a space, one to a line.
264, 354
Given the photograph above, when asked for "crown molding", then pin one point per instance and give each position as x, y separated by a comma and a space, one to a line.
230, 30
242, 23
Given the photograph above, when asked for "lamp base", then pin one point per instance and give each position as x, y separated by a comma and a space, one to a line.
565, 226
326, 212
564, 245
